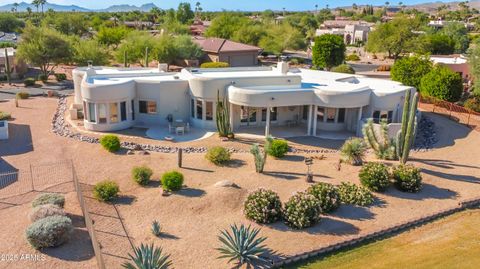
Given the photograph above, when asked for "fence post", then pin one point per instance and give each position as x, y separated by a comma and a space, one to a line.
451, 107
468, 118
179, 157
31, 177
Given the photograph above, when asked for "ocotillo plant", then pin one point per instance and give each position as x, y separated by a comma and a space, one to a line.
8, 71
146, 57
383, 146
406, 135
223, 116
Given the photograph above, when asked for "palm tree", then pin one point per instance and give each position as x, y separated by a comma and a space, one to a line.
36, 3
15, 6
42, 2
316, 8
29, 11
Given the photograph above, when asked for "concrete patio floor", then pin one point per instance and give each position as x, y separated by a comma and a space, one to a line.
289, 132
160, 132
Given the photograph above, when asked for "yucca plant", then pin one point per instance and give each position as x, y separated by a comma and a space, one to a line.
148, 257
242, 245
156, 229
353, 151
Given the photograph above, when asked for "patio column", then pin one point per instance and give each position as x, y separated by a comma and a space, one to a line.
360, 113
231, 116
315, 116
267, 125
309, 120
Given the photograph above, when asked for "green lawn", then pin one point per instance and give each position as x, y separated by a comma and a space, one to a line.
452, 242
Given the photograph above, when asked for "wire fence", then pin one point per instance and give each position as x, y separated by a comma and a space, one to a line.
455, 112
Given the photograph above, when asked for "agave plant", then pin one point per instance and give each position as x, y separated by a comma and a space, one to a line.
156, 229
353, 151
148, 257
242, 245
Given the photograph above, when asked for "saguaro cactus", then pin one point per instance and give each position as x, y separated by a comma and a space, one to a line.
406, 135
223, 116
8, 71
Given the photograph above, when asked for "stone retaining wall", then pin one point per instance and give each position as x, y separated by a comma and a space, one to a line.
386, 231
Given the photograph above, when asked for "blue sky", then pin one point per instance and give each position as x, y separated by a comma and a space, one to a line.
228, 4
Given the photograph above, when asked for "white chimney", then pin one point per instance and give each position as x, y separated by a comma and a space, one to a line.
282, 67
163, 67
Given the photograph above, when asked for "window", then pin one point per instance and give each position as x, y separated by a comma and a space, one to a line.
199, 109
133, 109
376, 116
192, 107
123, 111
383, 115
102, 113
331, 114
85, 113
320, 113
113, 112
273, 114
305, 112
209, 110
248, 115
147, 107
91, 112
341, 115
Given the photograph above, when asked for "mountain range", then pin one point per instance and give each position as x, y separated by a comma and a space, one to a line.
22, 7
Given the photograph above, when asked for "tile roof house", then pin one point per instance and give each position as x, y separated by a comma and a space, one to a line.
223, 50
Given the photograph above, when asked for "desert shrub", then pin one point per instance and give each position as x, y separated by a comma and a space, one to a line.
343, 68
44, 211
214, 65
442, 83
263, 206
106, 190
383, 68
302, 210
61, 76
172, 181
352, 57
43, 77
22, 95
473, 104
353, 151
49, 232
218, 155
110, 143
29, 82
278, 148
407, 178
352, 194
5, 116
327, 195
375, 176
142, 174
49, 198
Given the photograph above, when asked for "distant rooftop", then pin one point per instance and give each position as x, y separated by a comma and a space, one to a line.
449, 59
217, 45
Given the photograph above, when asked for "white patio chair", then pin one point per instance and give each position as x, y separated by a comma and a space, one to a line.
180, 130
171, 128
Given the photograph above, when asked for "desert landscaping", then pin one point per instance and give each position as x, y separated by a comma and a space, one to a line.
192, 218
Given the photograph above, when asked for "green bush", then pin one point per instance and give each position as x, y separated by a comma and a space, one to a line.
352, 57
410, 70
352, 194
61, 76
110, 143
302, 210
29, 82
442, 83
407, 178
327, 195
47, 210
263, 206
106, 190
5, 116
343, 68
375, 176
172, 181
353, 151
22, 95
49, 232
142, 174
43, 77
49, 198
214, 65
218, 155
278, 148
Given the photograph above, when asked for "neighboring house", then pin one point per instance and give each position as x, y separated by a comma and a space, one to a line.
17, 67
441, 23
8, 37
223, 50
456, 62
199, 27
314, 101
351, 31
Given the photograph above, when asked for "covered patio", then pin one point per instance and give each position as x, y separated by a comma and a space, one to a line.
290, 132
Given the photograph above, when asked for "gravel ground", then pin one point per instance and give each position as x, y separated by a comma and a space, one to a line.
192, 218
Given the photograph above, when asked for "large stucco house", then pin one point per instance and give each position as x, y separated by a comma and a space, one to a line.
315, 101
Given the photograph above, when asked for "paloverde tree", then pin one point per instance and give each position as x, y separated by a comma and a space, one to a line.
44, 47
85, 50
328, 51
442, 83
410, 70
